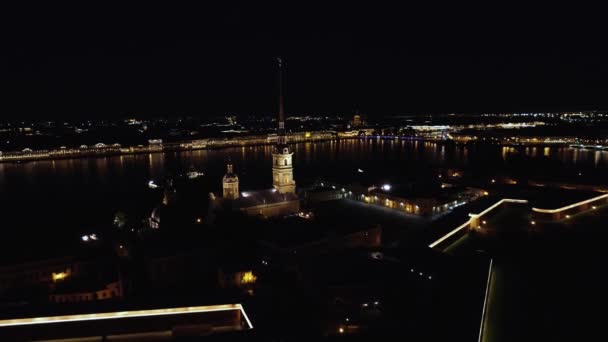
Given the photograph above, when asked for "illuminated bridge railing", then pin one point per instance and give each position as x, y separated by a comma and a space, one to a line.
169, 322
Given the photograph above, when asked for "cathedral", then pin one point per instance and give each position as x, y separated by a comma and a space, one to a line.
282, 198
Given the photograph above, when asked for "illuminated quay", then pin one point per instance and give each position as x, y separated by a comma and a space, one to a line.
156, 146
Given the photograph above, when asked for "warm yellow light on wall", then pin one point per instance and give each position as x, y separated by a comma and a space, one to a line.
248, 278
59, 276
307, 134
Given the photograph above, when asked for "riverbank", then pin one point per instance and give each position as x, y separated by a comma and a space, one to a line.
103, 150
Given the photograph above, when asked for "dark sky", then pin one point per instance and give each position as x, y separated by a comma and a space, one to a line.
113, 62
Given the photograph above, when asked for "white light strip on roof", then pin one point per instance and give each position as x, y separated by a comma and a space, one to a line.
504, 200
246, 317
485, 301
449, 234
123, 314
507, 200
552, 211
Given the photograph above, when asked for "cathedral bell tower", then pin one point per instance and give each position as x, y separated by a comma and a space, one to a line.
282, 167
282, 170
230, 184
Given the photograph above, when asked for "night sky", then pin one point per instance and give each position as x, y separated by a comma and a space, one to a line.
102, 62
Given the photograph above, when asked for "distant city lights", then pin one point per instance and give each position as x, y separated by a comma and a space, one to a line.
89, 237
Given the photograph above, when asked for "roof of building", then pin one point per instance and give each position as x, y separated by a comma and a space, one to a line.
294, 231
261, 197
322, 189
440, 195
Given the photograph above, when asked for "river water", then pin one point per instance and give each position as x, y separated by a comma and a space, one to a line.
44, 199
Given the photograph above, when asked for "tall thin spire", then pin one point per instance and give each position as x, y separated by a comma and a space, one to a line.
229, 169
281, 133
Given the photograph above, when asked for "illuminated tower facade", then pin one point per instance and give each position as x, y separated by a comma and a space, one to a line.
230, 184
282, 167
357, 121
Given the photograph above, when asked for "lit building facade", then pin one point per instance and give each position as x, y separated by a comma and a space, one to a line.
282, 170
103, 292
230, 184
421, 206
